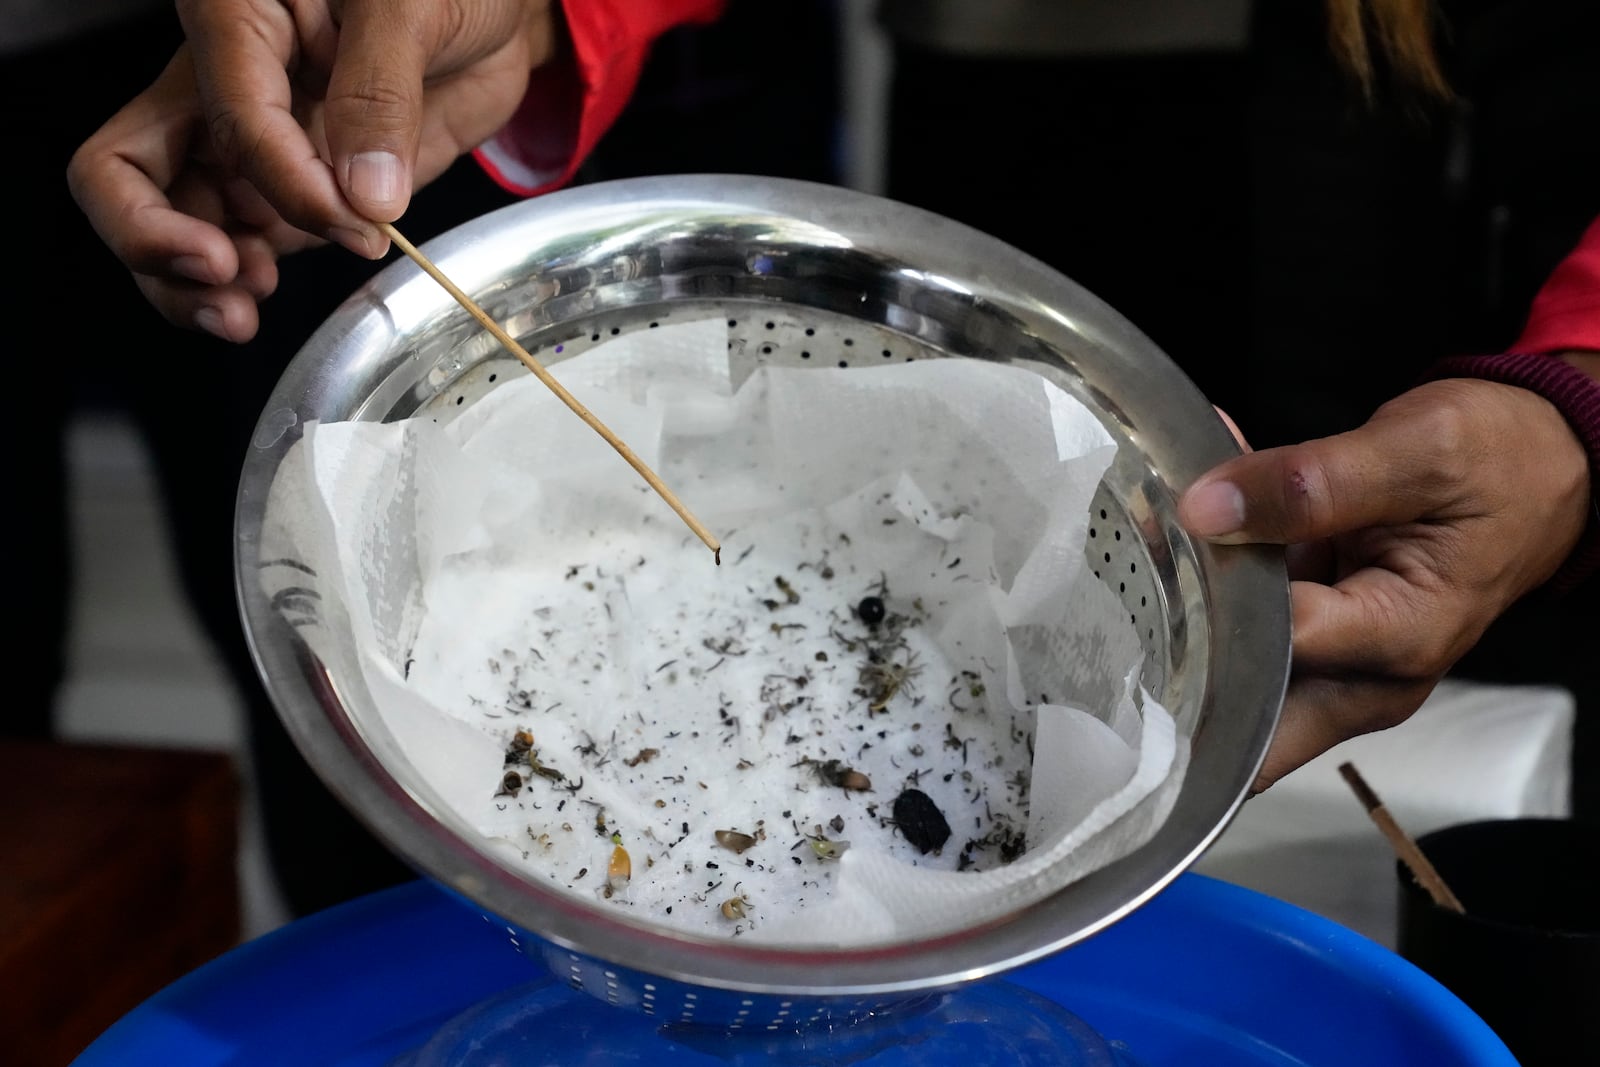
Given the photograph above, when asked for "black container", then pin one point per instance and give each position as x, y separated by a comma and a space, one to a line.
1526, 955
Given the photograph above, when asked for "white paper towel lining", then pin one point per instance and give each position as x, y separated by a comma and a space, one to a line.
504, 571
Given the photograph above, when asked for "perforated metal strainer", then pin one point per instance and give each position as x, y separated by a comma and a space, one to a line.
805, 275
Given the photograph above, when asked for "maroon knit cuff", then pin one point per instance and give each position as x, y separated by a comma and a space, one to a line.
1577, 397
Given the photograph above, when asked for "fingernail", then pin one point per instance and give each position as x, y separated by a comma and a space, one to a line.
211, 321
377, 178
1214, 510
195, 268
355, 240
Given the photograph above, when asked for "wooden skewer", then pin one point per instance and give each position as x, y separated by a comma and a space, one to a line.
556, 387
1403, 845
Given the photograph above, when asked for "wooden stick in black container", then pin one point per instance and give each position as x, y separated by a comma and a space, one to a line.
1421, 869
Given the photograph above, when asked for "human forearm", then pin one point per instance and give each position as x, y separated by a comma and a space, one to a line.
1588, 362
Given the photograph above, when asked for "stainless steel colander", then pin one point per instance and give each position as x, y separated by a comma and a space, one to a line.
805, 275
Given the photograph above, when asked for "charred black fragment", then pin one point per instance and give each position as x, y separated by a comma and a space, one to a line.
921, 821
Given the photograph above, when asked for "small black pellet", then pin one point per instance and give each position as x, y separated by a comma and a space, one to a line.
921, 821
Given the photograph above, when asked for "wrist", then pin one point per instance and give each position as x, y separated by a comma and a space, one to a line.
1571, 384
1587, 362
544, 31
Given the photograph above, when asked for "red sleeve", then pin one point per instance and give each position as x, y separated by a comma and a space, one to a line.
570, 104
1566, 313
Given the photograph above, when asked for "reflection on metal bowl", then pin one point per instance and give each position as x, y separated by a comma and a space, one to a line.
806, 275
